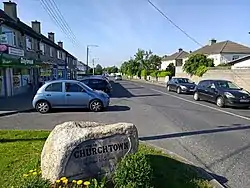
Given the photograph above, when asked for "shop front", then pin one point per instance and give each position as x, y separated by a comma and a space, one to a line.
18, 75
62, 71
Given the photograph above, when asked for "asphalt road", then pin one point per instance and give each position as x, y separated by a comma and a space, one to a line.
217, 139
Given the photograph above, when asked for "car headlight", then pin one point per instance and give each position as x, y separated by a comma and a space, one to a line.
183, 87
229, 95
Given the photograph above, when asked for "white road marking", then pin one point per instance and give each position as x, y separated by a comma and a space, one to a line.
193, 102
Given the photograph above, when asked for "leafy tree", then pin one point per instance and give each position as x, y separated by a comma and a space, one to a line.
98, 69
112, 69
197, 64
155, 62
171, 68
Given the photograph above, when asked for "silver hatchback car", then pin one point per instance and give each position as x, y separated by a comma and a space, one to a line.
69, 94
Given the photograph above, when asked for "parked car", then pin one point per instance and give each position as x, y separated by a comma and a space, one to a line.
118, 77
223, 93
181, 85
98, 83
69, 94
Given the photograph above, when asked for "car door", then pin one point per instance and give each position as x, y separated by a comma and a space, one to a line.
75, 95
172, 84
96, 84
54, 94
202, 87
211, 92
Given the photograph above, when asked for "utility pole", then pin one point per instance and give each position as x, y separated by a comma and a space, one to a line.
87, 54
93, 66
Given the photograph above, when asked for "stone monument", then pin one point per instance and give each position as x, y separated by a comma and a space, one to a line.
82, 150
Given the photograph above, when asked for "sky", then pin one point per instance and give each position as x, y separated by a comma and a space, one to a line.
120, 27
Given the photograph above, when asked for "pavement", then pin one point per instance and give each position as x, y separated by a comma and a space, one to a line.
215, 139
16, 104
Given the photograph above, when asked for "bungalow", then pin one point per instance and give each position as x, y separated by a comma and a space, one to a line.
241, 63
223, 52
176, 59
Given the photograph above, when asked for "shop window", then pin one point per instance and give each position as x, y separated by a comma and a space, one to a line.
16, 78
28, 43
55, 87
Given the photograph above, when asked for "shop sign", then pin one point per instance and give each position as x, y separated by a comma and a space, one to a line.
3, 48
27, 61
16, 51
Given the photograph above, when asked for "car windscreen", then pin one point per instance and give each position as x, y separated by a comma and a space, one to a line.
184, 80
227, 85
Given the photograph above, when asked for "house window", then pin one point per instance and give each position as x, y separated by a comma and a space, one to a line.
42, 48
28, 43
235, 57
63, 56
51, 51
8, 36
59, 54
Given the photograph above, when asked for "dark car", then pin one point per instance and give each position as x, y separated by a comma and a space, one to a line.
181, 85
98, 83
223, 93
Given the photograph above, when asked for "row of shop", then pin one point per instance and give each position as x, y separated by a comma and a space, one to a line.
19, 75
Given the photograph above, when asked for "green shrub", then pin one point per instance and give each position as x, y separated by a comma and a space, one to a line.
154, 74
134, 171
201, 70
164, 73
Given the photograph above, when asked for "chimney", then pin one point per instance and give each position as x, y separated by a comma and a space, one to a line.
51, 36
180, 50
10, 9
212, 41
60, 43
36, 26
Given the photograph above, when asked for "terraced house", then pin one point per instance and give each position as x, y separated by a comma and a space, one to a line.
26, 55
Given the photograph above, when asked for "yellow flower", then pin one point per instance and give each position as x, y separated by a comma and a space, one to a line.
73, 181
25, 175
79, 182
63, 178
86, 183
58, 181
65, 182
34, 173
31, 171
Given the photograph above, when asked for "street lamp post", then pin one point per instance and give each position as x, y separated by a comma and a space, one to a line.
87, 61
93, 61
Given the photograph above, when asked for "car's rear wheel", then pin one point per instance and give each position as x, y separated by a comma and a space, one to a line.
178, 90
96, 105
43, 107
196, 96
168, 88
220, 102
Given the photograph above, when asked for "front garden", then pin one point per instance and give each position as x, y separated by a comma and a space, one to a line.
20, 167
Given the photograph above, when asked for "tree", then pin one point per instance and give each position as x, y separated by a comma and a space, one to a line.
171, 68
155, 62
197, 64
98, 69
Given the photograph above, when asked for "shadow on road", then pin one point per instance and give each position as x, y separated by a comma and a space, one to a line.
191, 133
121, 92
118, 108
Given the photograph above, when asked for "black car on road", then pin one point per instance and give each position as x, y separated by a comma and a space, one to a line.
181, 85
98, 83
223, 93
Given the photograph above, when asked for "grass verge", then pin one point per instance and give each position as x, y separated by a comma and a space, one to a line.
20, 151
